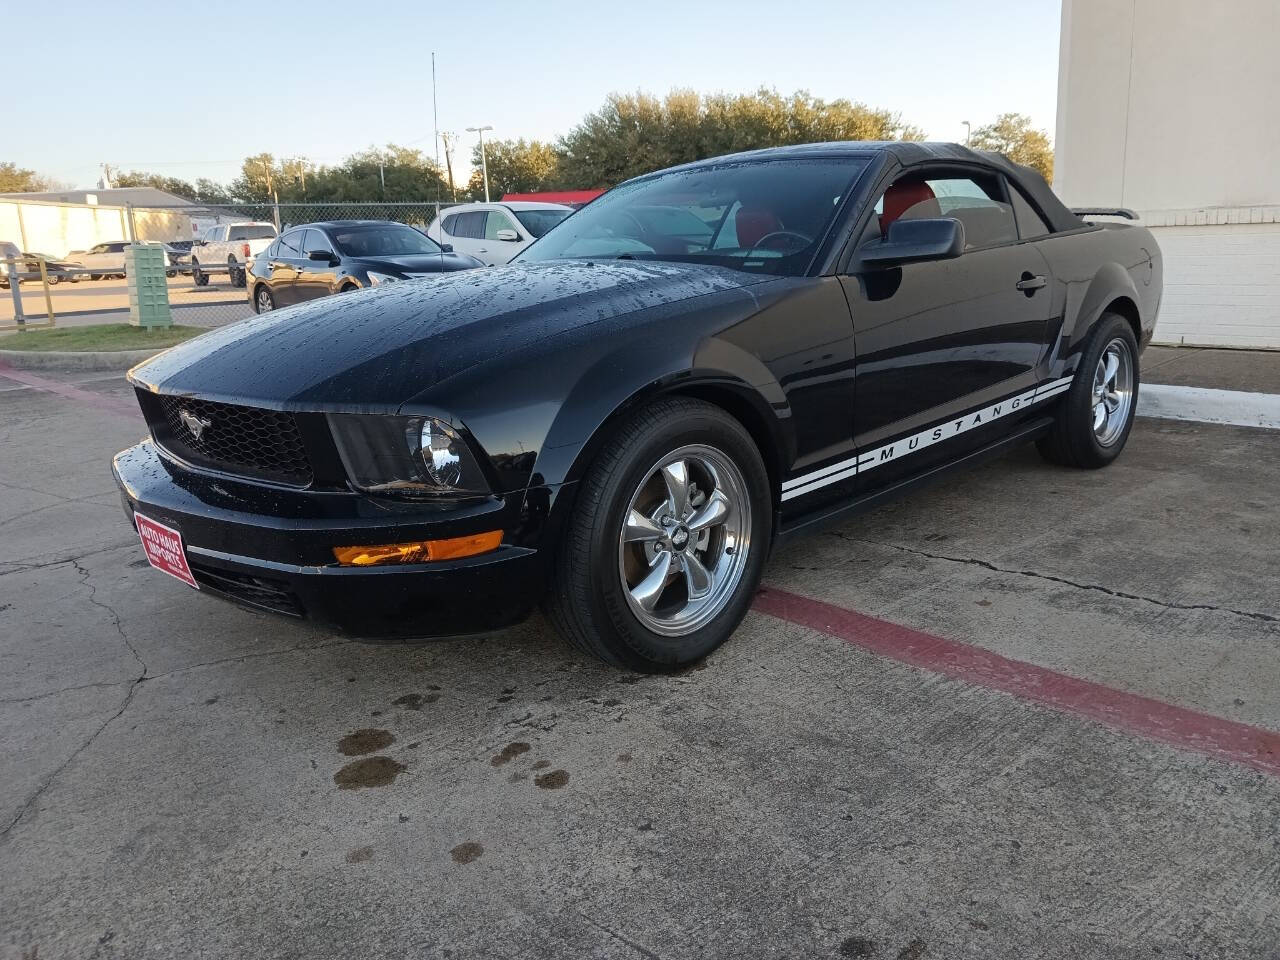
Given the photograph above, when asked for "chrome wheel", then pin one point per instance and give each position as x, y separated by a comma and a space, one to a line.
1112, 392
264, 300
685, 540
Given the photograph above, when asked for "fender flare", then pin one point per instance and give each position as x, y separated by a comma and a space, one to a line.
1111, 283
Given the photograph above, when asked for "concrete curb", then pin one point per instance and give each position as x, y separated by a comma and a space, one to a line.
1209, 406
67, 360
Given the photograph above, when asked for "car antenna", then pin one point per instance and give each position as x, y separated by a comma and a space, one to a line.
435, 123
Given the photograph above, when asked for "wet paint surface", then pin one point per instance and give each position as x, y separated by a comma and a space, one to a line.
389, 343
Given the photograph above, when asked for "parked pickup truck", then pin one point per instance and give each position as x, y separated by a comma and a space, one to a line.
229, 246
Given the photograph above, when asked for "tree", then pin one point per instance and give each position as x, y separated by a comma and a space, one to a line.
15, 179
636, 133
134, 178
515, 166
1013, 135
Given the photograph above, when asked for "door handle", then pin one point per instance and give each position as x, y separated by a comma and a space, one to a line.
1030, 284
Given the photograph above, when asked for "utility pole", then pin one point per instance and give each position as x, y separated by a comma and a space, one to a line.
382, 176
275, 199
484, 161
448, 163
966, 132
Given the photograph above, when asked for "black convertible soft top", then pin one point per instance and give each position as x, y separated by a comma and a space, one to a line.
909, 153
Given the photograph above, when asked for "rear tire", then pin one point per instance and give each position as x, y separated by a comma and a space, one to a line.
235, 274
1096, 414
651, 579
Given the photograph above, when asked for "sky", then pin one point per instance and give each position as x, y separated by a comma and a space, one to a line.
158, 87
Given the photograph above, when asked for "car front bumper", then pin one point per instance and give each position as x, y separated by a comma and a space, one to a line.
272, 549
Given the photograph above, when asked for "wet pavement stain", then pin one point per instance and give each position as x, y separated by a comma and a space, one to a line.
913, 950
369, 772
359, 855
410, 701
859, 947
541, 765
365, 740
553, 780
624, 758
509, 753
467, 852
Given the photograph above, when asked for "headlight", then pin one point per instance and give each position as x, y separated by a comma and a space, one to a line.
377, 279
416, 456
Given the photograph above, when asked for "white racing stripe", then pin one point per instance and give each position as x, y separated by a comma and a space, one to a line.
870, 459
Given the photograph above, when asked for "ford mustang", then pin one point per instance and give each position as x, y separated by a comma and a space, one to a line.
621, 423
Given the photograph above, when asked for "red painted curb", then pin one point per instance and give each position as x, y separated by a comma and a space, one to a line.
1154, 719
69, 392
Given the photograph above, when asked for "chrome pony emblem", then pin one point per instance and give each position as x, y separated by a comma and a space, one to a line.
196, 425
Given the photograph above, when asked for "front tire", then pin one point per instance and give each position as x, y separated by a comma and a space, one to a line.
198, 276
1096, 414
263, 302
660, 558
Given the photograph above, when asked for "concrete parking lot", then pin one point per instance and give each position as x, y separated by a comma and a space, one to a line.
107, 301
1026, 713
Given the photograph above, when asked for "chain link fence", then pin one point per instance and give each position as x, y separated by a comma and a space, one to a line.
91, 285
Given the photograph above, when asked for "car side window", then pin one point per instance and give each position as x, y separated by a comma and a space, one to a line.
976, 200
1030, 223
117, 247
497, 220
448, 223
272, 251
316, 240
470, 226
291, 245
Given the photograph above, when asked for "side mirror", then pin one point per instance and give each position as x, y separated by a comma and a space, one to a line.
446, 247
508, 235
914, 241
324, 256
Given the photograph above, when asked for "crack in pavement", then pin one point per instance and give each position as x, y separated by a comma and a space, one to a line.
39, 792
134, 683
19, 566
124, 704
73, 689
115, 617
1119, 594
250, 656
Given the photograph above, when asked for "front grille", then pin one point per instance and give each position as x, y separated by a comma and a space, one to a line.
245, 441
260, 592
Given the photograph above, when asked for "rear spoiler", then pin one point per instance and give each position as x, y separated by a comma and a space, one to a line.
1104, 212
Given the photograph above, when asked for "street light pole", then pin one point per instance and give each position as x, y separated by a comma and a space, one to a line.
966, 131
484, 162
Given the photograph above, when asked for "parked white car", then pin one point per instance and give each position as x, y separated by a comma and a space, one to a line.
229, 246
104, 259
495, 232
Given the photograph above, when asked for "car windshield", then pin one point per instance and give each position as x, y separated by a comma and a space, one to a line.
539, 222
767, 216
383, 240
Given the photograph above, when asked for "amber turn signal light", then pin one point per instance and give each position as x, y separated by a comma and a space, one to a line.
419, 551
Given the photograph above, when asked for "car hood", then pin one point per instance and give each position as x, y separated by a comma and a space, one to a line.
418, 263
374, 349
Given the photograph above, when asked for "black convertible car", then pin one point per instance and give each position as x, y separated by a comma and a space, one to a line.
622, 422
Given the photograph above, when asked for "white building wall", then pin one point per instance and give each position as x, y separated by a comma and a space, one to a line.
56, 229
1171, 108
